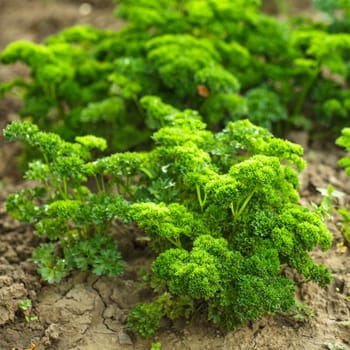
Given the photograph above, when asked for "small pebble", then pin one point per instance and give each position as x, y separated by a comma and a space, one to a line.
85, 9
53, 332
124, 339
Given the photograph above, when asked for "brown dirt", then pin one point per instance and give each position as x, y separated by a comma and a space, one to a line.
86, 312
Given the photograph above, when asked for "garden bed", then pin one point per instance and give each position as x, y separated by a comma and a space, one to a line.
89, 312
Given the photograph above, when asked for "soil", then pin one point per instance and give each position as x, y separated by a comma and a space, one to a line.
86, 312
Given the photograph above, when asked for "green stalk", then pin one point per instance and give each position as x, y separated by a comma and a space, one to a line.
97, 182
245, 203
305, 90
237, 212
65, 188
199, 196
123, 188
232, 210
59, 187
176, 243
55, 181
103, 184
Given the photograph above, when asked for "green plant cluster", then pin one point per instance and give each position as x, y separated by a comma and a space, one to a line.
344, 141
224, 222
337, 13
224, 58
72, 216
220, 209
187, 93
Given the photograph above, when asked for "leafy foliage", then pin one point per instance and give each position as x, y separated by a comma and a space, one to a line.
226, 222
72, 217
220, 209
337, 11
282, 69
224, 58
344, 141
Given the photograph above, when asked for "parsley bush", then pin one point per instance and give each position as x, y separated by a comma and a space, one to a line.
344, 141
225, 59
221, 211
225, 221
74, 218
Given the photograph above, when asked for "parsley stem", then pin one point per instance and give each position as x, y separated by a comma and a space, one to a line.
97, 184
199, 196
176, 242
305, 90
238, 211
